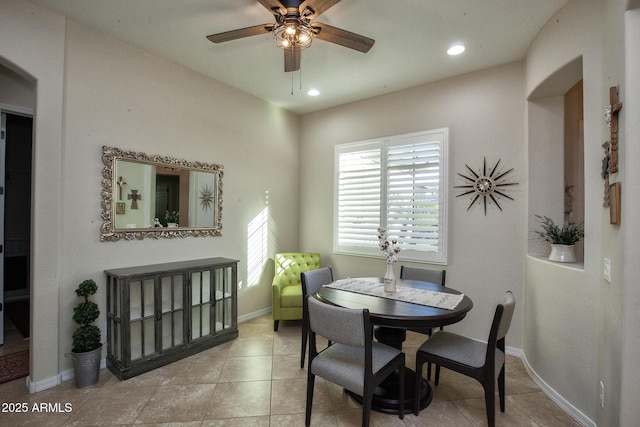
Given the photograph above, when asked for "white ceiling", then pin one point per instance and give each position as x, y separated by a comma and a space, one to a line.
411, 39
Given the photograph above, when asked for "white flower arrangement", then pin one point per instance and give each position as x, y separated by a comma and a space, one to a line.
172, 216
388, 247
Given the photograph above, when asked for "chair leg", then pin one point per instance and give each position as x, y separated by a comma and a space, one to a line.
304, 346
401, 393
429, 333
275, 325
490, 401
366, 408
418, 386
311, 379
501, 390
437, 380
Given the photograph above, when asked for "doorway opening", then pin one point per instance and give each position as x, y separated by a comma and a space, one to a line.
15, 183
167, 201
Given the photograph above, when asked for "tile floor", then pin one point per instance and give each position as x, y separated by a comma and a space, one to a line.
255, 380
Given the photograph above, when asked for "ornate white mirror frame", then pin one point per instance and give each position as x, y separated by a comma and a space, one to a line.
201, 181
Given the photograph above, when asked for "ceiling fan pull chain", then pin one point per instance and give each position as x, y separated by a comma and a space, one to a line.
291, 84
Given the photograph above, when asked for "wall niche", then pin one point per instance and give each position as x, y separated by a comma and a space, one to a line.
556, 153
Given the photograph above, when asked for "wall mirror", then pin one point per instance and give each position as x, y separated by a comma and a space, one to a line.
158, 196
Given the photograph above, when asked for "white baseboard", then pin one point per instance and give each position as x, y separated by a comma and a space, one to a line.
36, 386
574, 412
253, 315
512, 351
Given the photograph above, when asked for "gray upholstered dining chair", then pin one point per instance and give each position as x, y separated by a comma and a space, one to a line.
311, 281
475, 359
426, 275
354, 361
423, 274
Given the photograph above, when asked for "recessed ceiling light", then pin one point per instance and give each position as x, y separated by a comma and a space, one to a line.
456, 49
313, 92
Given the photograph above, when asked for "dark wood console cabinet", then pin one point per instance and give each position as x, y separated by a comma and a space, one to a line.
157, 314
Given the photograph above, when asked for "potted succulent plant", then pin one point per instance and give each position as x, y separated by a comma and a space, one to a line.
87, 345
562, 239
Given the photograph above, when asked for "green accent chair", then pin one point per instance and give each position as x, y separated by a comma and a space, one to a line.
286, 287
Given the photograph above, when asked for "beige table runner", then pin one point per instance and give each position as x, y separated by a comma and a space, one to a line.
403, 293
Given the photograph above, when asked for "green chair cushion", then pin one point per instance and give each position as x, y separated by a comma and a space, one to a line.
291, 296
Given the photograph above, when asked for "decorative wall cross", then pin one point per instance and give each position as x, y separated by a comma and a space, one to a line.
134, 197
611, 116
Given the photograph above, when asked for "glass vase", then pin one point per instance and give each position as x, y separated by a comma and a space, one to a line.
390, 279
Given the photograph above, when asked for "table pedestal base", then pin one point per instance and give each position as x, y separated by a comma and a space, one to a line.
385, 397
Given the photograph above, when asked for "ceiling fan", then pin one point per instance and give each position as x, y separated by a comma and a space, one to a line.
293, 30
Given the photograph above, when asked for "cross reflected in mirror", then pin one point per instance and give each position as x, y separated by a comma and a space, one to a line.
134, 197
121, 184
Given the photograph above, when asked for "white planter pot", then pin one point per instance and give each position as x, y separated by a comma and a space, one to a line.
562, 253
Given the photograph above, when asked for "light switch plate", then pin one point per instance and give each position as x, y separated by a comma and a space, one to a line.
606, 270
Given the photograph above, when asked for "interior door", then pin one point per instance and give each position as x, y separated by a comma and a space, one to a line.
3, 132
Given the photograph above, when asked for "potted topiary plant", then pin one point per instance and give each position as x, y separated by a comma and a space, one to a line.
562, 239
87, 347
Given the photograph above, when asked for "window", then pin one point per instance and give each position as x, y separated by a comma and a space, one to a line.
399, 183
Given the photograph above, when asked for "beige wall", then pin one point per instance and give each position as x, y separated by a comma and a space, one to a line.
630, 352
579, 334
17, 92
33, 46
484, 112
568, 320
117, 95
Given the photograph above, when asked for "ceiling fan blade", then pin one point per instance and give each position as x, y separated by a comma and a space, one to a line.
292, 57
342, 37
316, 7
273, 6
240, 33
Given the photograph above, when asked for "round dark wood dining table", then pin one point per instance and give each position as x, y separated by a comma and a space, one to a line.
399, 316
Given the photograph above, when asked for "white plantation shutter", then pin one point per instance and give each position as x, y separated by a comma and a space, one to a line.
398, 183
359, 202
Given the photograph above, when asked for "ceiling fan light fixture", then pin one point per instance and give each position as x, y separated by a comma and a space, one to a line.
294, 32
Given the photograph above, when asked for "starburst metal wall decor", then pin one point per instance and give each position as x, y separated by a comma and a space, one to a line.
206, 197
485, 187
